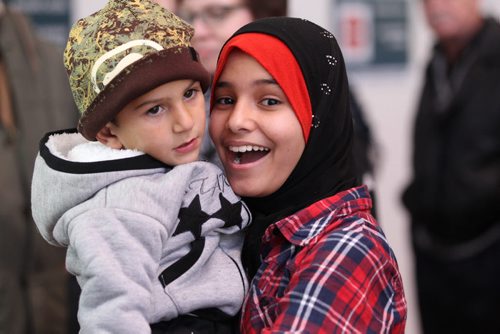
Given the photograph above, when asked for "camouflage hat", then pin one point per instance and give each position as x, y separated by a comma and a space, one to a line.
123, 51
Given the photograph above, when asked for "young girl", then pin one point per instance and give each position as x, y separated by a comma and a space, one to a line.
281, 124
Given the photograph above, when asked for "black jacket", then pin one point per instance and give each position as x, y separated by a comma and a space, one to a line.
455, 192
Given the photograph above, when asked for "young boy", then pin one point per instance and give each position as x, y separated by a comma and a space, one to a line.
147, 241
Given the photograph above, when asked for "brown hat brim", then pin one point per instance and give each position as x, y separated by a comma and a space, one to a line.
139, 78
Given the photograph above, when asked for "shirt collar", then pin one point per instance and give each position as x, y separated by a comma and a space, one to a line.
304, 226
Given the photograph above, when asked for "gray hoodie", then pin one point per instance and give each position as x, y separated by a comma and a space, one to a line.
146, 242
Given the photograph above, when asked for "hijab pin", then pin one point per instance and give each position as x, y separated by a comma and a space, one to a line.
315, 122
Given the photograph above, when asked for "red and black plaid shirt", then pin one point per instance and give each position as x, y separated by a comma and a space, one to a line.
327, 269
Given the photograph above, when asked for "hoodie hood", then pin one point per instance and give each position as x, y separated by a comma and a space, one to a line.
69, 170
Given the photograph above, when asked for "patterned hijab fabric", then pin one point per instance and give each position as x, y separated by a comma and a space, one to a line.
122, 51
325, 167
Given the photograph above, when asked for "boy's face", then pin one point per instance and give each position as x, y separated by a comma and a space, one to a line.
167, 123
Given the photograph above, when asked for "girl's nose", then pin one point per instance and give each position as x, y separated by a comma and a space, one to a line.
241, 118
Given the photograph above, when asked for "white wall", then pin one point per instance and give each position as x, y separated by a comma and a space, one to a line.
388, 98
82, 8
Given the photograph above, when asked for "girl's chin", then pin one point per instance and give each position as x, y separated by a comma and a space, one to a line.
251, 186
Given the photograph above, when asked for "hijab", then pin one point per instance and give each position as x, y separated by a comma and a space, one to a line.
325, 167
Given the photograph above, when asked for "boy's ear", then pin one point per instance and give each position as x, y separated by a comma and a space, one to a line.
106, 137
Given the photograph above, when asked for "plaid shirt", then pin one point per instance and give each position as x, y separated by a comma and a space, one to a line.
327, 269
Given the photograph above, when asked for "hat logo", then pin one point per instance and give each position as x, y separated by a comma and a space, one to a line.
126, 61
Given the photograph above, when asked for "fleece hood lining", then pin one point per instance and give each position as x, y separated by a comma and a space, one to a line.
74, 147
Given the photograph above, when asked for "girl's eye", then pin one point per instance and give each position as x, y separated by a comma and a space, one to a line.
270, 102
155, 110
224, 100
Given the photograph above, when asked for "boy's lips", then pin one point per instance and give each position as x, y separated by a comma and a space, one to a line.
188, 146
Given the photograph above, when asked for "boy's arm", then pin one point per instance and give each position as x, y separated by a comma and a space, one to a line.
115, 255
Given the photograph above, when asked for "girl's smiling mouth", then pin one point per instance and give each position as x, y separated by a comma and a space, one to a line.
245, 154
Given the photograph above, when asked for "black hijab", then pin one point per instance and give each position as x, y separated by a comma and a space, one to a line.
325, 167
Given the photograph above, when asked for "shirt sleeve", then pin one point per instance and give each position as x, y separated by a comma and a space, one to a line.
114, 255
346, 284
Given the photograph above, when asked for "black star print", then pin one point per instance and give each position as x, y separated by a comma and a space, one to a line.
191, 218
229, 213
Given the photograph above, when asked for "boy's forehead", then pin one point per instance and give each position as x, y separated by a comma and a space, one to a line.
168, 91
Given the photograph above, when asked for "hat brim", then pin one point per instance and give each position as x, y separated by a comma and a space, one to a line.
138, 79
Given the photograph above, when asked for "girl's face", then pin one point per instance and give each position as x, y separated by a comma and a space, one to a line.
255, 130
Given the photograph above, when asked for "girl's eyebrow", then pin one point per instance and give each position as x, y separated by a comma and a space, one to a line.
224, 84
265, 82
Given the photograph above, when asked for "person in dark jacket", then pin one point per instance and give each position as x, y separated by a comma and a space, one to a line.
454, 196
34, 98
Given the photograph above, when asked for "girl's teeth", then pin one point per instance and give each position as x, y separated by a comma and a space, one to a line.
247, 148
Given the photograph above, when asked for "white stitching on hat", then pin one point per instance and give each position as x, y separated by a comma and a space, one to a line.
129, 59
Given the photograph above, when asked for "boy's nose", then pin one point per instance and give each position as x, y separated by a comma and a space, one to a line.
183, 120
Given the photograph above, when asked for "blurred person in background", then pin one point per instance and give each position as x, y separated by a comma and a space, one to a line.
34, 98
454, 196
215, 21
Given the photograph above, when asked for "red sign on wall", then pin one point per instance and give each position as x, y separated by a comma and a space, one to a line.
355, 34
372, 31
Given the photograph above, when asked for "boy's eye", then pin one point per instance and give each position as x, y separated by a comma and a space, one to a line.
270, 102
155, 110
190, 93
